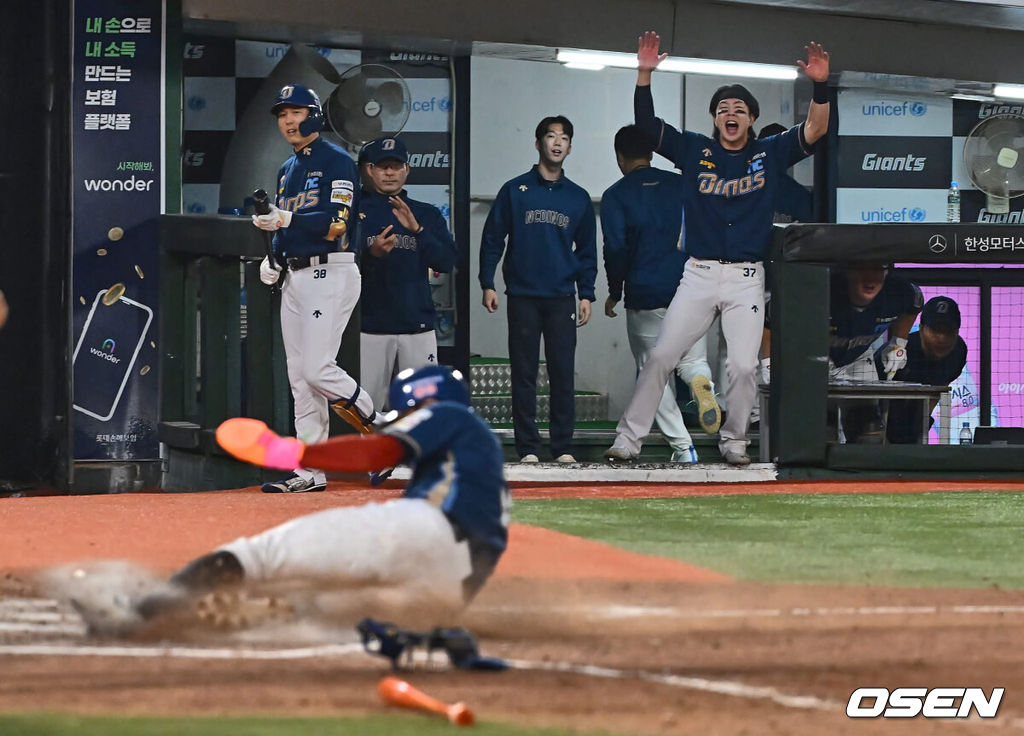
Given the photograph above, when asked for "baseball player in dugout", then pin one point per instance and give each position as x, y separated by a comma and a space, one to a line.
936, 356
549, 225
643, 229
317, 271
730, 182
444, 536
870, 318
400, 241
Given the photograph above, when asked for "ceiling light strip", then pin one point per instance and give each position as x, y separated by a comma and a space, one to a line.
595, 59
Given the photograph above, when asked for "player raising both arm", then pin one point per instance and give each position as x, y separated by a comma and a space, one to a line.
730, 185
315, 197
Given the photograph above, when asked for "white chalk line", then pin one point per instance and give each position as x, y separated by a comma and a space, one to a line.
729, 688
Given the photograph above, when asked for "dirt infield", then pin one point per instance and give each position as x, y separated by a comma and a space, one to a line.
600, 638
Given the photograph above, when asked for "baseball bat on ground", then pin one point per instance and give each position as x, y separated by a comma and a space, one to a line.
401, 693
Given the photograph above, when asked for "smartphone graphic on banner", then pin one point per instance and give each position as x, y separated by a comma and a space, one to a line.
110, 342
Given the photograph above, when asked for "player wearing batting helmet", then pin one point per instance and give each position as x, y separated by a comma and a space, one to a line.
437, 544
731, 180
316, 195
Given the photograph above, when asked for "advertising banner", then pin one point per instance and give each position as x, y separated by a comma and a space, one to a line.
117, 194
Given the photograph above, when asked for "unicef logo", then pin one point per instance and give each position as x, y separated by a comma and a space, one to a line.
936, 244
196, 103
917, 109
917, 215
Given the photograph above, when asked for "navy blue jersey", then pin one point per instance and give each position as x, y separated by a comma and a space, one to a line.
852, 329
395, 297
730, 196
542, 221
642, 224
457, 465
904, 424
317, 184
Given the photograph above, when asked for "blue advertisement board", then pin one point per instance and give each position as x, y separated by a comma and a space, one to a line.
117, 195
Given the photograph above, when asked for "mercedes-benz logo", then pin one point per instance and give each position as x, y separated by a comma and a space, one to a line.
937, 244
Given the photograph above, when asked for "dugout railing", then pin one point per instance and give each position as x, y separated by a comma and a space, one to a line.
799, 282
222, 353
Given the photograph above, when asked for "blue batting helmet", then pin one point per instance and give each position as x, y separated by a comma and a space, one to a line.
295, 95
412, 387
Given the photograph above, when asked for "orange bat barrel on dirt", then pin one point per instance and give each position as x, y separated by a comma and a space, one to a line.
399, 692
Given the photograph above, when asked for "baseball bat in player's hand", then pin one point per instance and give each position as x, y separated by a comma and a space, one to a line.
261, 206
401, 693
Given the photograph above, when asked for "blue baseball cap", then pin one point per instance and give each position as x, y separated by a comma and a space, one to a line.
384, 149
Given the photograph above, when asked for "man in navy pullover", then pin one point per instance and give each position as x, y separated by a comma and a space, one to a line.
400, 241
549, 225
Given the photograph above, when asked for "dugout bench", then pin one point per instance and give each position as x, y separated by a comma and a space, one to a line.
794, 432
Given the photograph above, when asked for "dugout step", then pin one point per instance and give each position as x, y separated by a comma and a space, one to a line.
591, 439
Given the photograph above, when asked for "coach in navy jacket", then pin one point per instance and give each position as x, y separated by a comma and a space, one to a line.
549, 226
401, 241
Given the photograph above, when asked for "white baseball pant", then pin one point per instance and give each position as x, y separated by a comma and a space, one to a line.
403, 543
642, 328
708, 287
381, 357
316, 303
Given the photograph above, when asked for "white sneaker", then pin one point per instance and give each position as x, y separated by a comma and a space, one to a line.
531, 458
689, 455
617, 454
566, 458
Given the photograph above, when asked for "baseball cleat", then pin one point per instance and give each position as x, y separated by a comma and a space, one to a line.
378, 477
566, 458
736, 458
353, 417
294, 484
254, 442
616, 454
708, 412
529, 458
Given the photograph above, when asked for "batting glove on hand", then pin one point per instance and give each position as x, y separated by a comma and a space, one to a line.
273, 220
894, 355
766, 371
268, 273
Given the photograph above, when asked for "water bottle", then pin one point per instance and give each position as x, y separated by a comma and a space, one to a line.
953, 203
966, 438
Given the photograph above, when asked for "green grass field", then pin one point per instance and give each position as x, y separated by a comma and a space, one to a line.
961, 539
411, 725
967, 539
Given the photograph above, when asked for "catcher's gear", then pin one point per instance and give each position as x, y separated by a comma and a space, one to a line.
412, 387
894, 356
296, 95
392, 642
